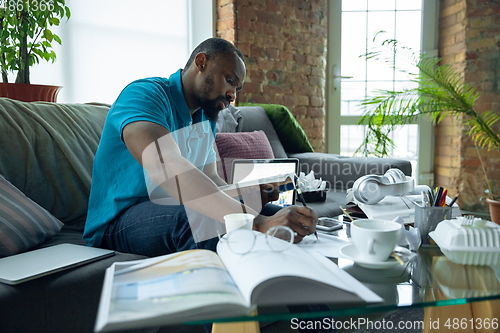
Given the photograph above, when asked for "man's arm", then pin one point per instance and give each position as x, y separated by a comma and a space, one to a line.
211, 172
155, 149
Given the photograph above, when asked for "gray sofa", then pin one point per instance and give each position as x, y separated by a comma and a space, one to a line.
47, 150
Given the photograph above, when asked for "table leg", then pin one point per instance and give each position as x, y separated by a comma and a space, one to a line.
237, 327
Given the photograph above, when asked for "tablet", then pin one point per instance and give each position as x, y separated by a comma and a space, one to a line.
251, 169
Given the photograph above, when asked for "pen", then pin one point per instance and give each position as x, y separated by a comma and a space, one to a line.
454, 199
301, 198
442, 203
349, 216
438, 196
398, 259
425, 200
430, 197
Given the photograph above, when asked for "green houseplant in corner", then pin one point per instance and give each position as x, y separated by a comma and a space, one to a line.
438, 91
25, 39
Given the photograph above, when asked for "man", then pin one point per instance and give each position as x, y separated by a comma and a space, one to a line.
143, 142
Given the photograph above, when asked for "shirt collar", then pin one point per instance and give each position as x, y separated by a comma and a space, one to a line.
180, 105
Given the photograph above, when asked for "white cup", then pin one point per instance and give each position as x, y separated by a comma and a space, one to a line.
238, 220
375, 239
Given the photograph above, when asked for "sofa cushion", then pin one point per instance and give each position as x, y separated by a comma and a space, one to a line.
229, 120
292, 136
47, 151
254, 119
246, 145
23, 223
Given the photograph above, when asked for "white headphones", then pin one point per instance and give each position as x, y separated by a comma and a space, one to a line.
370, 189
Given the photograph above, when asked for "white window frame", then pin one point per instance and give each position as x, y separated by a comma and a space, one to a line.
334, 119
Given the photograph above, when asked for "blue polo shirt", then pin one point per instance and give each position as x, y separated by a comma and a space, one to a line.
118, 180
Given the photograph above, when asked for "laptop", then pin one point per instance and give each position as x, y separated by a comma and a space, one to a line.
30, 265
252, 169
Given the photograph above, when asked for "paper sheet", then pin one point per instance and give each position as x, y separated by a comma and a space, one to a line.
293, 262
327, 245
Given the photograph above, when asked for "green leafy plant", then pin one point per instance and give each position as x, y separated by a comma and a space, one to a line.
25, 35
438, 91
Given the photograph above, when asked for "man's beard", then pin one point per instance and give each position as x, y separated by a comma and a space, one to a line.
210, 106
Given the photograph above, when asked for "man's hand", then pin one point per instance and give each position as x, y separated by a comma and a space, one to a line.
269, 192
301, 220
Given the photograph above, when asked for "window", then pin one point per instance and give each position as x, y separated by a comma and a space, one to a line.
108, 44
353, 24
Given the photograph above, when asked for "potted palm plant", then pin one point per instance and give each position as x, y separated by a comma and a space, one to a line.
493, 201
439, 91
25, 39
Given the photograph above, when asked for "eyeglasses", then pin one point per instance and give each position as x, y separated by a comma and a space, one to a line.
242, 241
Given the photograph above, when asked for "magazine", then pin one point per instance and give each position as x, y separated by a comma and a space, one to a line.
203, 285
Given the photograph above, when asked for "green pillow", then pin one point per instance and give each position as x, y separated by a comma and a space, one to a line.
292, 136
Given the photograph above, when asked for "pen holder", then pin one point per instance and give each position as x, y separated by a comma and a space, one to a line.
427, 218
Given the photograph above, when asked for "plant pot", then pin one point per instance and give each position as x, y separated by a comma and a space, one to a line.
494, 210
29, 92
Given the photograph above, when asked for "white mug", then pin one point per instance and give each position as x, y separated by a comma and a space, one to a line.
238, 220
375, 239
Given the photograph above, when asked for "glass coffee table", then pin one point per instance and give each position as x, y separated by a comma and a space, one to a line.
429, 281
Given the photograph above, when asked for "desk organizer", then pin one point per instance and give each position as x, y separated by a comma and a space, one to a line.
468, 245
315, 196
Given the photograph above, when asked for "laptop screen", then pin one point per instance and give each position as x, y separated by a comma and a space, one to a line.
246, 170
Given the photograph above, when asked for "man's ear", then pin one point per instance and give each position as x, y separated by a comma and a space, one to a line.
200, 61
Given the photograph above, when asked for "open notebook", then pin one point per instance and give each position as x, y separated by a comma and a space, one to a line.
37, 263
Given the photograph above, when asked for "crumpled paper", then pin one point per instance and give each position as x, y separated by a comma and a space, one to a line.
308, 183
410, 238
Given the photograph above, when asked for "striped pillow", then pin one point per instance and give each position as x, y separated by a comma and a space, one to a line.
23, 223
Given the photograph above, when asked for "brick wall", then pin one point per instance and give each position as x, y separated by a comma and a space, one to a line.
482, 71
226, 20
449, 132
469, 39
284, 43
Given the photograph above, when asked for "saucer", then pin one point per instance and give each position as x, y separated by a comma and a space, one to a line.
350, 251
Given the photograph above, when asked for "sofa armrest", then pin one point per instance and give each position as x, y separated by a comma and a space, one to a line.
341, 171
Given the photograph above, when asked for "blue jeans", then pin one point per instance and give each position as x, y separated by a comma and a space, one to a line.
153, 230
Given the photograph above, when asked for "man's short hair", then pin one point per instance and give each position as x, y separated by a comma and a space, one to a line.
212, 48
